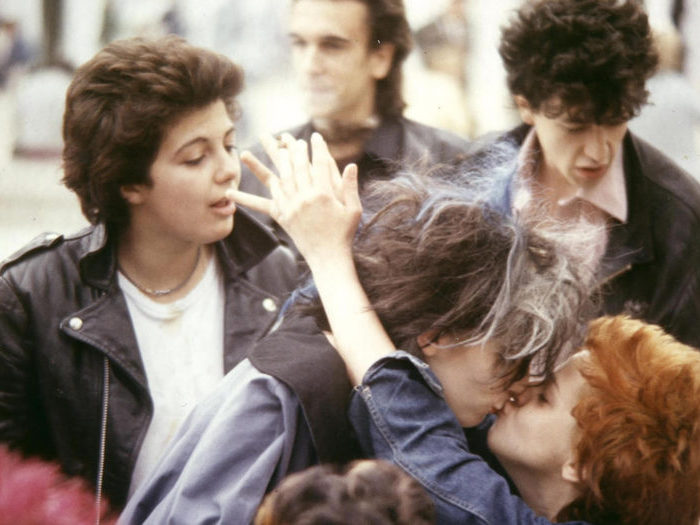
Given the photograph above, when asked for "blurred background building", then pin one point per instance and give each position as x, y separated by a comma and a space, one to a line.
453, 79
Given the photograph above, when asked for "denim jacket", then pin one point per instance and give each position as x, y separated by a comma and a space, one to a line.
400, 414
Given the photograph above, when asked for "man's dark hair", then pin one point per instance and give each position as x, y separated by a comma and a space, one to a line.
119, 106
589, 58
388, 24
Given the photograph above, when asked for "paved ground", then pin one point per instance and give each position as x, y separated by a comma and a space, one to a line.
33, 201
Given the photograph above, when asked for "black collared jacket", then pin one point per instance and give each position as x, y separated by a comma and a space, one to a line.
72, 383
651, 268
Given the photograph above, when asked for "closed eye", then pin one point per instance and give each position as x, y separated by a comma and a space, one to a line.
194, 162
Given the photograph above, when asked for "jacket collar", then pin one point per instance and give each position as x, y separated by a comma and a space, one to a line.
246, 246
386, 142
630, 243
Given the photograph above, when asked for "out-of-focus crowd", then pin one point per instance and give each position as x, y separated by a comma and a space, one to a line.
454, 78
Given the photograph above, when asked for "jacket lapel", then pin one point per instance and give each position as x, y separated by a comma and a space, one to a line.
118, 341
629, 243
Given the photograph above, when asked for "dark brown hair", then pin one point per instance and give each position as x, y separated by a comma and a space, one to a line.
591, 57
118, 107
371, 492
638, 455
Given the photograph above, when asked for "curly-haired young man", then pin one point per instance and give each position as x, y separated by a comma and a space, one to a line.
577, 71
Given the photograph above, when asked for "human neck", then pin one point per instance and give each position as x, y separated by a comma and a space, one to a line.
557, 186
158, 265
545, 494
346, 139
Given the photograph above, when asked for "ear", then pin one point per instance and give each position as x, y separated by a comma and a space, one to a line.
426, 339
569, 471
525, 110
381, 59
132, 193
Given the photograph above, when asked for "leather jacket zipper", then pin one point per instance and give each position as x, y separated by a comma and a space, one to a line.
103, 442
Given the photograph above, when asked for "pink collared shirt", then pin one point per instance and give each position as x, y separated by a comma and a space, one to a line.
593, 203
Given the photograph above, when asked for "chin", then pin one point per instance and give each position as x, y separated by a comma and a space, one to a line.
494, 438
219, 233
321, 110
471, 420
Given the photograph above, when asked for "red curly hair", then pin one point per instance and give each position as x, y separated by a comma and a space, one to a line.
639, 423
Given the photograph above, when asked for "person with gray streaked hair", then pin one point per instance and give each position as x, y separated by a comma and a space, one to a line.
447, 269
421, 255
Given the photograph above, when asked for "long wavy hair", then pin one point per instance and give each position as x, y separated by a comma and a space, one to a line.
441, 251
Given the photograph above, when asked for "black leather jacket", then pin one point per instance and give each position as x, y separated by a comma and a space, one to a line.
70, 367
651, 268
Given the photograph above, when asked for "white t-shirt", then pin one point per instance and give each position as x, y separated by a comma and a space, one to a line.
182, 347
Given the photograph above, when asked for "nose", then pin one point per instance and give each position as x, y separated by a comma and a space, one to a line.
229, 168
309, 60
598, 146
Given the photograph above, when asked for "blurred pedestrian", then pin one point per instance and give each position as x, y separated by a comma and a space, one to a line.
348, 58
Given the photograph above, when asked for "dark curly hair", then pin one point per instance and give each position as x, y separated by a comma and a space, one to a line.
388, 24
118, 107
371, 492
590, 58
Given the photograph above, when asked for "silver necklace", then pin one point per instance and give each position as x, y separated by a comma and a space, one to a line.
167, 291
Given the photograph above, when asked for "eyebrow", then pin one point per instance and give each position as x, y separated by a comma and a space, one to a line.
336, 39
568, 121
202, 139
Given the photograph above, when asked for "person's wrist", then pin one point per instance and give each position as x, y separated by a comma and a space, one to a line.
332, 262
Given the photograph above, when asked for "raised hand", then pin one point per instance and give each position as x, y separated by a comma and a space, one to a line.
320, 211
316, 206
